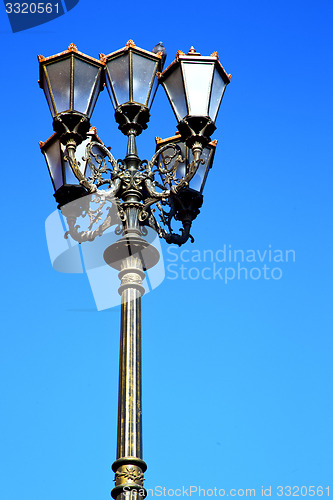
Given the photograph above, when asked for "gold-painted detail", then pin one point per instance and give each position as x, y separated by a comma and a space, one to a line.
174, 138
159, 140
93, 130
42, 144
158, 74
130, 44
159, 54
229, 76
214, 142
179, 53
102, 57
72, 47
193, 52
131, 474
215, 54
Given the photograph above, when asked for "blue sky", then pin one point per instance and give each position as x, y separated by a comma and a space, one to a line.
237, 376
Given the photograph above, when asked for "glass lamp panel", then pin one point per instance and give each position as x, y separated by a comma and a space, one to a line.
47, 94
118, 76
108, 86
198, 181
174, 87
53, 157
80, 154
94, 94
59, 74
218, 89
152, 93
198, 80
95, 151
144, 70
83, 164
181, 170
99, 154
168, 160
86, 88
69, 174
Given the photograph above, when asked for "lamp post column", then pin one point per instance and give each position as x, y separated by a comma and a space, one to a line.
129, 466
131, 255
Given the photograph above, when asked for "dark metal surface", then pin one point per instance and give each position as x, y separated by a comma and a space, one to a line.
129, 466
71, 125
196, 129
133, 189
132, 116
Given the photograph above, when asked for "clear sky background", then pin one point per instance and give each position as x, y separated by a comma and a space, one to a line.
237, 377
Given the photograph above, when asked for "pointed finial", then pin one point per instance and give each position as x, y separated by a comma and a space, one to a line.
130, 43
193, 52
215, 54
179, 53
102, 57
41, 58
72, 47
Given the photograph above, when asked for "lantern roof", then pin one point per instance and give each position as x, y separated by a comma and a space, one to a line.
177, 138
130, 45
72, 48
91, 133
181, 56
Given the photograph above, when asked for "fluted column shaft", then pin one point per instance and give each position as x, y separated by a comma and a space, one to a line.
129, 466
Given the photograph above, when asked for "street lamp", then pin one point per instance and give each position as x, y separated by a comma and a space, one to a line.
89, 182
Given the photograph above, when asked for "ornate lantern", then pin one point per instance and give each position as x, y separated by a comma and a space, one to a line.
195, 86
131, 82
71, 82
